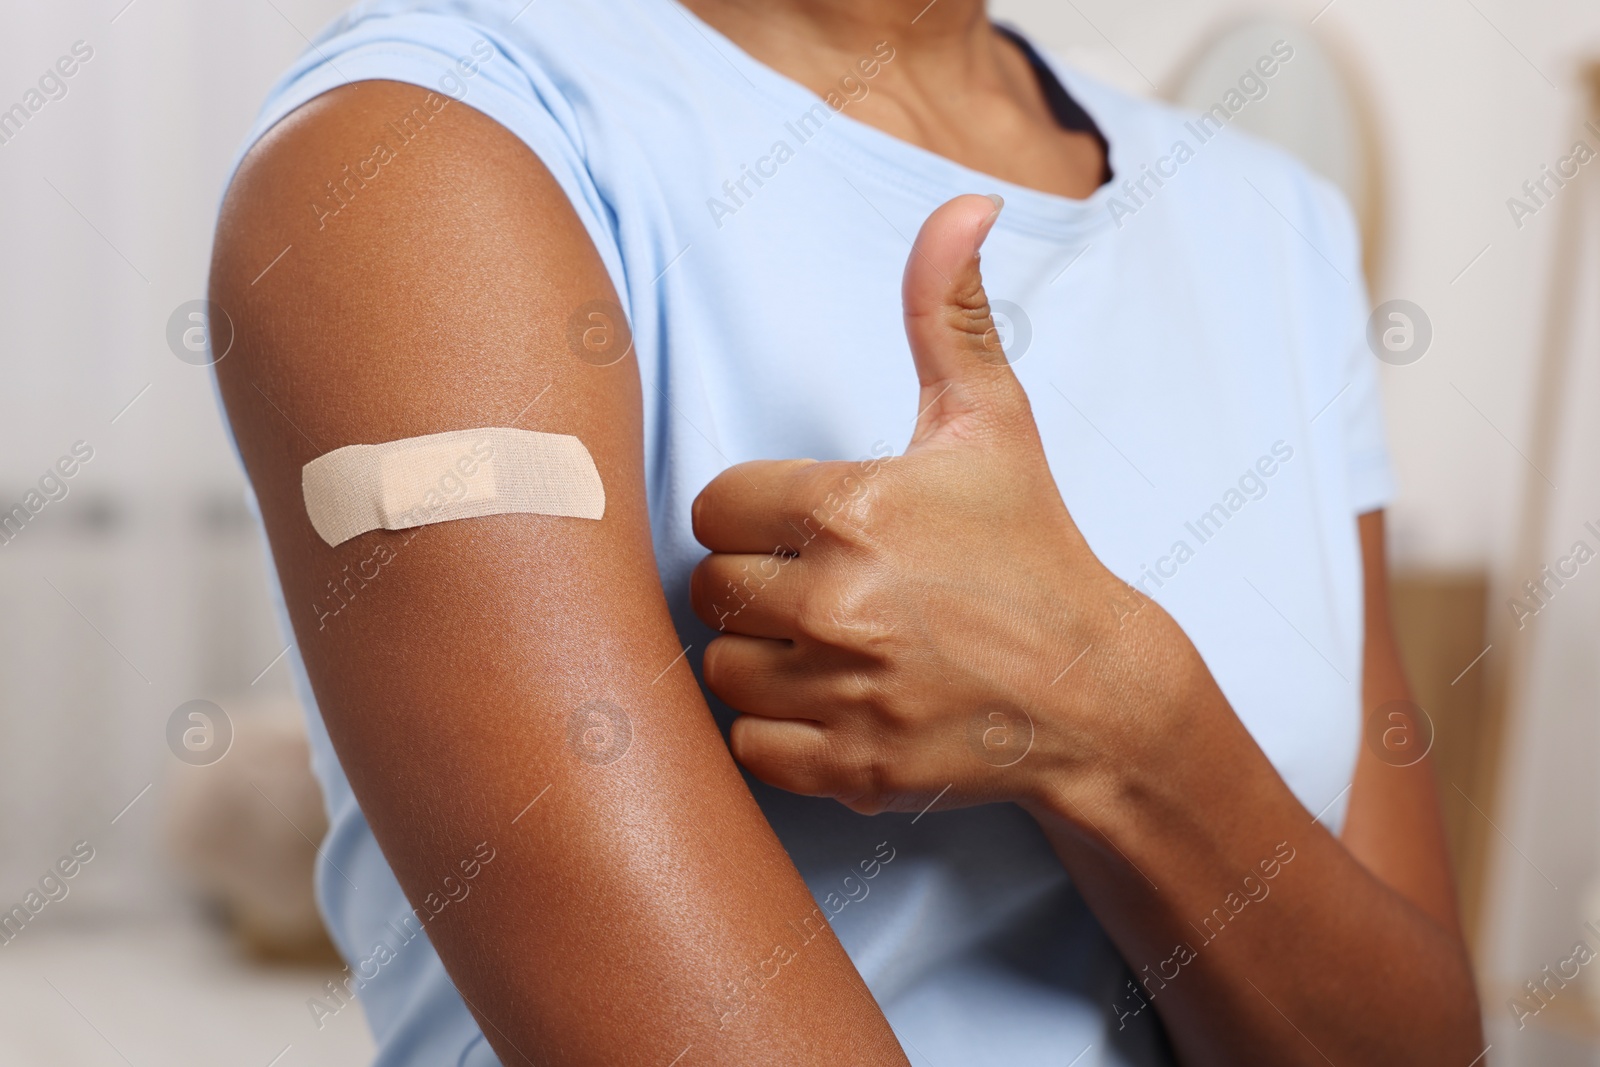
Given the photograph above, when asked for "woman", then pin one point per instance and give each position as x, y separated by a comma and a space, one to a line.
1053, 719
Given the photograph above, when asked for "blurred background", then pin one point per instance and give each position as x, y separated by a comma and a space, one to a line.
184, 932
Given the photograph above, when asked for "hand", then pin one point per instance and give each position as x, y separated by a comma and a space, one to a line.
933, 623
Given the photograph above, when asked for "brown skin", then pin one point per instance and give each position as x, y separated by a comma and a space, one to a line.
633, 892
861, 661
955, 87
881, 616
629, 894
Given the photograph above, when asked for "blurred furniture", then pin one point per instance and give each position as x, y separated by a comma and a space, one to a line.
1441, 623
245, 831
1309, 106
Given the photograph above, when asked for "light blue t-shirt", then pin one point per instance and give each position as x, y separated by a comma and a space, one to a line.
1191, 337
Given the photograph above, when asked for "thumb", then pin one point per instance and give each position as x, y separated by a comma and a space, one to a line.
967, 384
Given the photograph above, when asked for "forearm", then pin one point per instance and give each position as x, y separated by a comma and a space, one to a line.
1251, 930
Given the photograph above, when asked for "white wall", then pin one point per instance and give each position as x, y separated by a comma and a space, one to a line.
142, 589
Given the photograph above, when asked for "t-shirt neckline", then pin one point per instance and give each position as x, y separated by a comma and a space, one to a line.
900, 162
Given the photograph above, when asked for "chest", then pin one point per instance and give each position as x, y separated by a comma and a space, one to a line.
1175, 404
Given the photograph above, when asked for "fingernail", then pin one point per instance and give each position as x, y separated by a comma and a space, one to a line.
988, 223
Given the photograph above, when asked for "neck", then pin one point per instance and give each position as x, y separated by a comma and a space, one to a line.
948, 20
954, 87
945, 36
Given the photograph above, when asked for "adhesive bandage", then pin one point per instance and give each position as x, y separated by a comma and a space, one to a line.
462, 474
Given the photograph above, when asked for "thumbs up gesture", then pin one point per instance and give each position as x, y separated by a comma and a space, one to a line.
932, 625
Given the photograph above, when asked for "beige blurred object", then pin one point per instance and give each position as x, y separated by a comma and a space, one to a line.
243, 831
1441, 624
1311, 106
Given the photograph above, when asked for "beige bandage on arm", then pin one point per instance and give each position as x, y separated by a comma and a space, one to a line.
462, 474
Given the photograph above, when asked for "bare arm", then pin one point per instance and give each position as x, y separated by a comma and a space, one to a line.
1393, 824
1349, 951
619, 907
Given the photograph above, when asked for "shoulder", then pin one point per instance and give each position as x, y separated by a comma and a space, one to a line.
391, 77
561, 76
538, 50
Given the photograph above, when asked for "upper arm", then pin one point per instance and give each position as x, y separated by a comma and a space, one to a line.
1394, 825
637, 889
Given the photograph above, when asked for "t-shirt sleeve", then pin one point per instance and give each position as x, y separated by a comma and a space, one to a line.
1369, 473
462, 63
